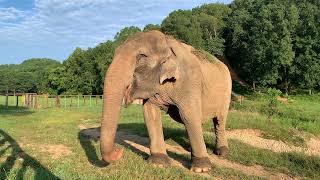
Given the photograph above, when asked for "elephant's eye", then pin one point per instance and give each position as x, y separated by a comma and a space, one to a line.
141, 56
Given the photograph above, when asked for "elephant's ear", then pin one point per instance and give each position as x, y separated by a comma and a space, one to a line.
169, 69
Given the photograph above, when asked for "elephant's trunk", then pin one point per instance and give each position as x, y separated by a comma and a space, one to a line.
116, 80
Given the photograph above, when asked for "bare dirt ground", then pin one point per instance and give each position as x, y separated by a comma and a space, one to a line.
249, 136
253, 138
55, 150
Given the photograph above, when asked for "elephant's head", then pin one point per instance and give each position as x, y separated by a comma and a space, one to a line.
139, 67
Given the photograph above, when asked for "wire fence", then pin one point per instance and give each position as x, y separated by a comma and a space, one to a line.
36, 101
31, 100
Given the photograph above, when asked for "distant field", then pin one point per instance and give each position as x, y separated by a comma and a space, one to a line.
51, 144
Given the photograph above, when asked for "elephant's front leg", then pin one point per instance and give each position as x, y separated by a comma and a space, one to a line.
152, 117
192, 118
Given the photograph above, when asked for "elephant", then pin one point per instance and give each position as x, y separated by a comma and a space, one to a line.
190, 85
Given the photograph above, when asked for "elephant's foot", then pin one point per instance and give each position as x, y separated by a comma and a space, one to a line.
200, 165
114, 155
159, 160
222, 151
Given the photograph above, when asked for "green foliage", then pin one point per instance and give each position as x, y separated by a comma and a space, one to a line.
201, 27
150, 27
29, 76
125, 33
275, 42
272, 102
79, 72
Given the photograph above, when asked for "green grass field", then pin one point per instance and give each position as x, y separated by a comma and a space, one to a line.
48, 143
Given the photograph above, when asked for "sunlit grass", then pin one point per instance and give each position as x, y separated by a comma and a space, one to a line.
28, 130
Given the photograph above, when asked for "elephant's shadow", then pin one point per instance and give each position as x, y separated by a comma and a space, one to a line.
179, 136
11, 150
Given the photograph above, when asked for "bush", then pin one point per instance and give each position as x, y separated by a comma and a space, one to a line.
272, 102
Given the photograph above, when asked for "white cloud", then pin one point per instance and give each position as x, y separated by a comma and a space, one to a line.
65, 24
11, 13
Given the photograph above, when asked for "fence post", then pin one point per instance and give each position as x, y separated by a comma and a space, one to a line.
17, 101
7, 99
57, 101
78, 101
65, 101
14, 96
36, 105
32, 101
90, 101
47, 101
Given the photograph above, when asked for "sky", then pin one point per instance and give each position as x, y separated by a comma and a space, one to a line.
54, 28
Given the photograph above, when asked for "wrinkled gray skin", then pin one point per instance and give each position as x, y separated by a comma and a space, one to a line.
168, 76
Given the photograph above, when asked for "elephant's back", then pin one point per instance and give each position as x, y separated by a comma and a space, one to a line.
216, 88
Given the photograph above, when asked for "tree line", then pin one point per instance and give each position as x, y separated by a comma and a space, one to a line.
269, 43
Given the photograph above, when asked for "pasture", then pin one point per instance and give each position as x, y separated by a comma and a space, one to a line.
63, 143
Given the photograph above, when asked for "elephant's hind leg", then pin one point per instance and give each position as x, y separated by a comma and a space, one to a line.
152, 117
220, 132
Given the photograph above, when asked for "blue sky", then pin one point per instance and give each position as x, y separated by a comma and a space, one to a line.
54, 28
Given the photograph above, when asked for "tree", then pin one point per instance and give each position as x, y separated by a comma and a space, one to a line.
29, 76
259, 40
306, 44
212, 18
201, 27
102, 55
183, 25
81, 73
150, 27
125, 33
56, 80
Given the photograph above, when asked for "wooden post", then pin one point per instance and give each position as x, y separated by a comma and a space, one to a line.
90, 101
78, 101
36, 101
26, 102
17, 101
65, 101
47, 100
58, 101
23, 99
14, 96
32, 101
7, 99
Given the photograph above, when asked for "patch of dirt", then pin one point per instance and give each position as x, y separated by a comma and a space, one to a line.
140, 145
56, 150
252, 137
314, 145
282, 99
86, 126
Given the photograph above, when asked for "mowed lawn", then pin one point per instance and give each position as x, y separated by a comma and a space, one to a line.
49, 144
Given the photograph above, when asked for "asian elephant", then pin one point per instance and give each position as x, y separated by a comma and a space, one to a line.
189, 85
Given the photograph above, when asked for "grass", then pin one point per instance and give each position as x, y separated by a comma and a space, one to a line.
295, 164
300, 114
25, 133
